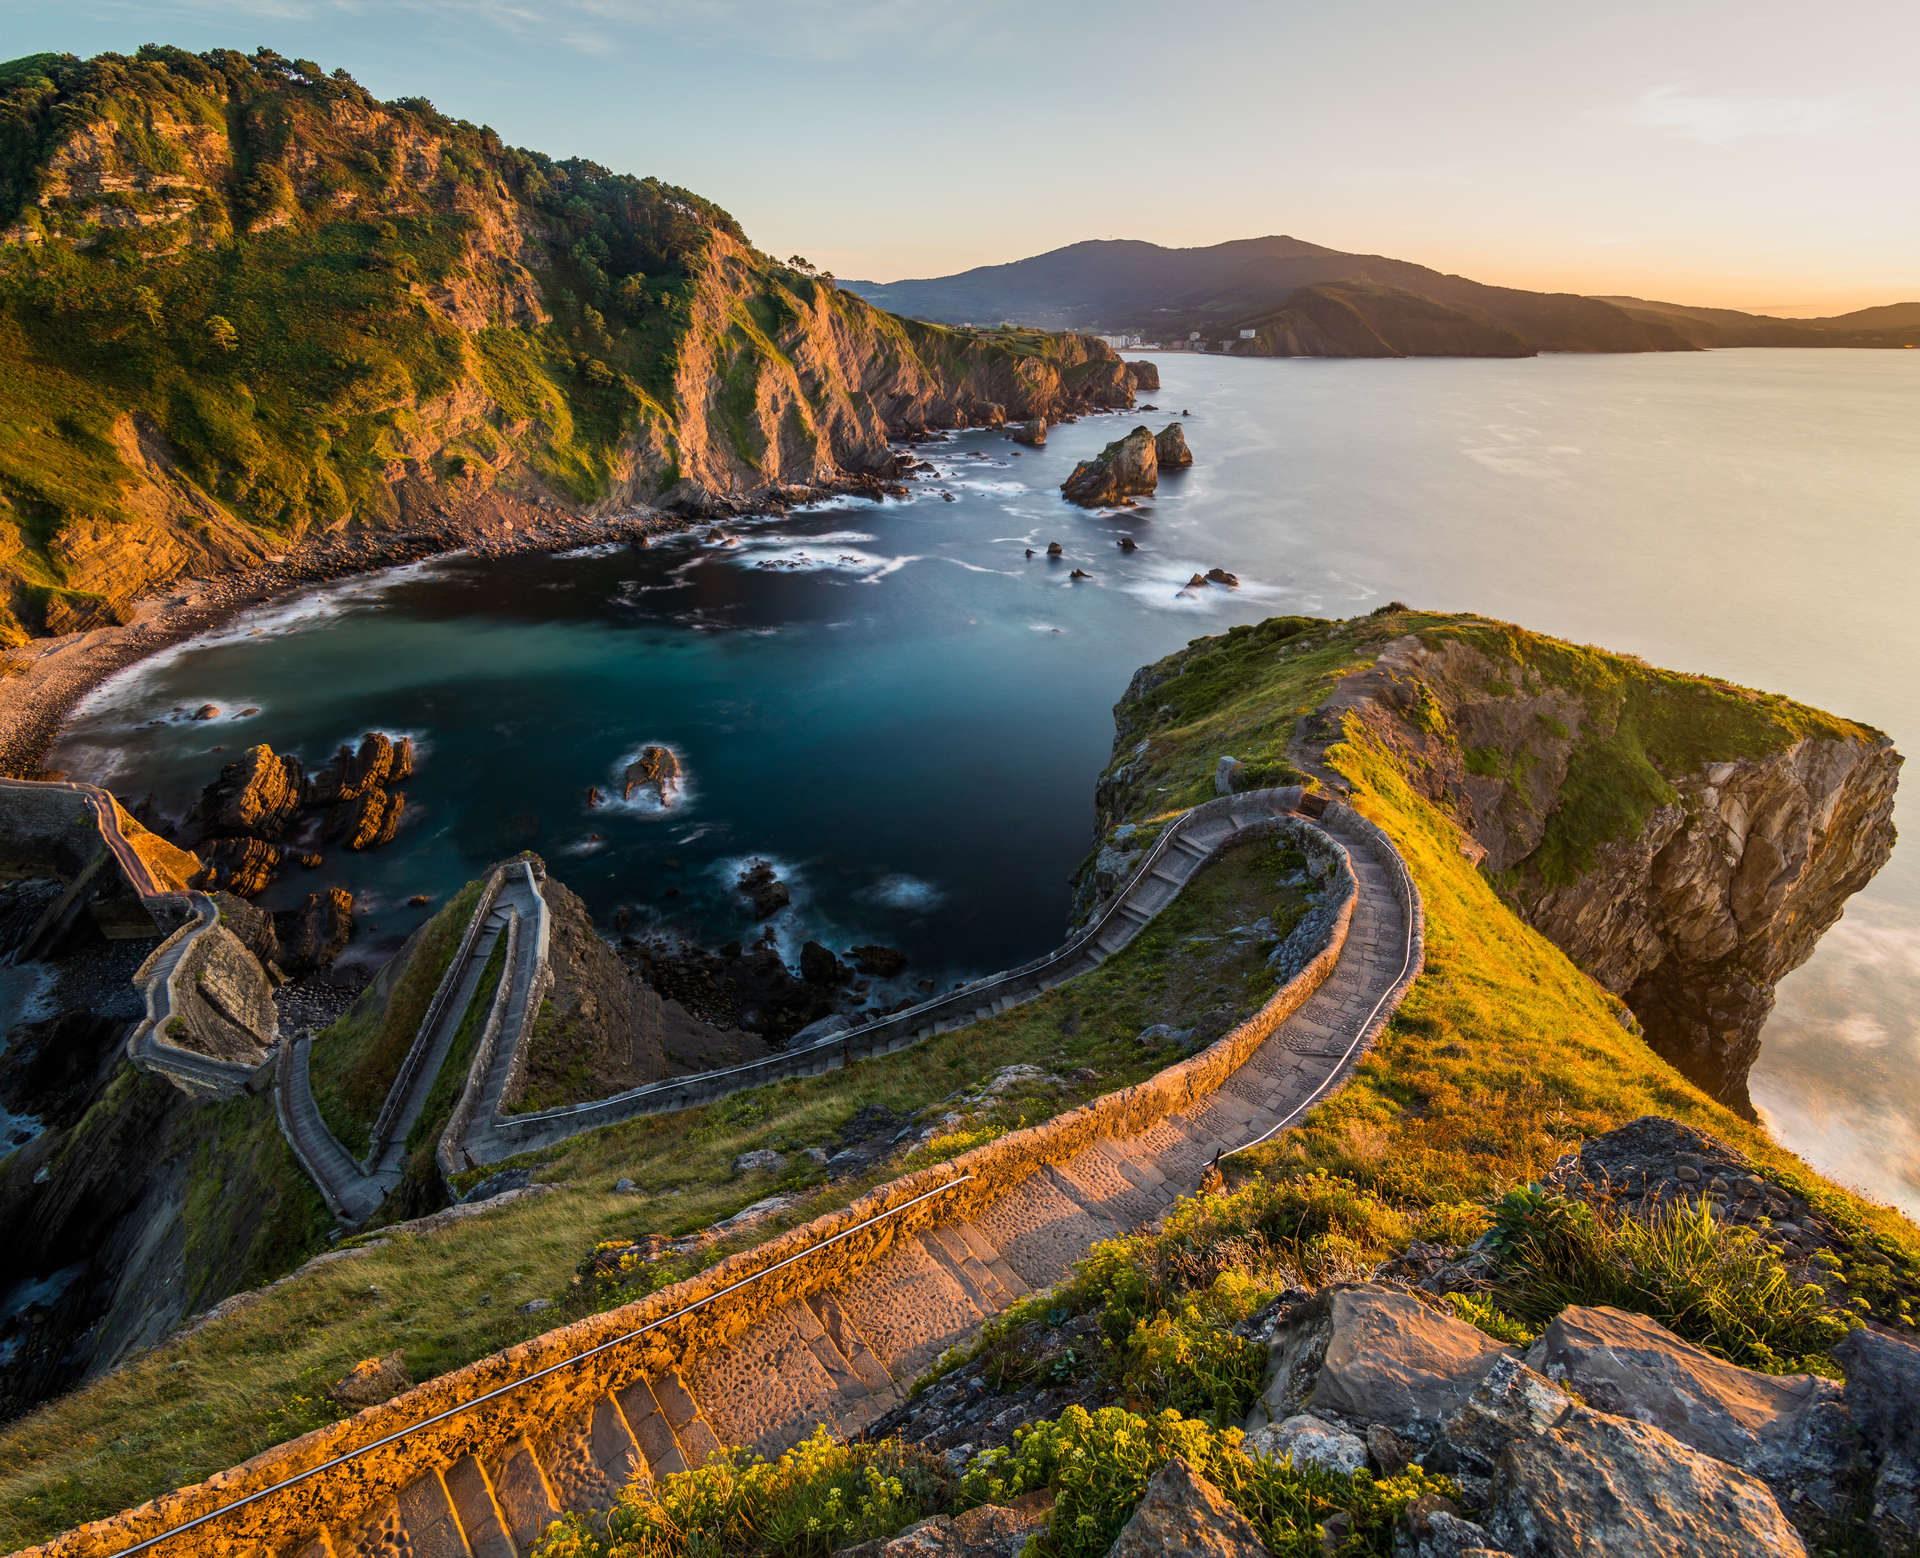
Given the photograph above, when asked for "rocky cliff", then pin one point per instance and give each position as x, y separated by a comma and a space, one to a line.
1685, 841
241, 300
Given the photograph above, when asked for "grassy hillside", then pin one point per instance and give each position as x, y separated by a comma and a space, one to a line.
241, 299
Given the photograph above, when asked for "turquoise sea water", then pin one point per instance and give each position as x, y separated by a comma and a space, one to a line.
907, 715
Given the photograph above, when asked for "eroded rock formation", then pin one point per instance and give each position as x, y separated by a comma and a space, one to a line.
1127, 468
1686, 843
1170, 447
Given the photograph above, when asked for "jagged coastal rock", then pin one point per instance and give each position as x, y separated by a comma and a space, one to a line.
765, 893
243, 816
656, 769
1145, 376
1738, 857
1032, 432
1127, 468
1170, 447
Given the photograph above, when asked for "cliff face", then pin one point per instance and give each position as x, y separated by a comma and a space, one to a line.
242, 300
1686, 842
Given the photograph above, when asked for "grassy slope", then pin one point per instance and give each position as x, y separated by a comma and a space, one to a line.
196, 1406
355, 1059
1504, 1055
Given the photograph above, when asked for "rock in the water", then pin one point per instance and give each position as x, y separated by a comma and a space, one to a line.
1145, 377
1055, 549
1128, 544
1309, 1441
246, 866
367, 819
1079, 573
258, 796
1221, 576
207, 711
372, 1381
818, 966
1791, 1430
1182, 1515
1370, 1354
1170, 447
877, 961
1601, 1484
1197, 582
761, 1160
352, 773
764, 891
316, 933
1032, 433
1126, 468
656, 769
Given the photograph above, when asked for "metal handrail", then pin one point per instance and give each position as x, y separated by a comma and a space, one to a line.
553, 1368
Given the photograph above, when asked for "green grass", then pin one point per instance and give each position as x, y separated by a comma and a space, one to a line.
355, 1059
196, 1406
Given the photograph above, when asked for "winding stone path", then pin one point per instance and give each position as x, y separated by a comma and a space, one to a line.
841, 1352
510, 906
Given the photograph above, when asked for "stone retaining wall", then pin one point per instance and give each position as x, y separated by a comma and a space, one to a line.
282, 1520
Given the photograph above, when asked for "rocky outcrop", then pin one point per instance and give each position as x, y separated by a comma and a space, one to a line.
765, 893
656, 769
1127, 468
1170, 447
257, 801
1685, 842
1144, 376
1032, 432
259, 795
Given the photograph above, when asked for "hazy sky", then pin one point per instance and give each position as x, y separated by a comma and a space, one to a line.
1756, 155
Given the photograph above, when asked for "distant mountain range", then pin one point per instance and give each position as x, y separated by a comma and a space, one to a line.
1284, 297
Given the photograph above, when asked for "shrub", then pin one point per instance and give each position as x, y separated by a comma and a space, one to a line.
820, 1496
1716, 1284
1098, 1464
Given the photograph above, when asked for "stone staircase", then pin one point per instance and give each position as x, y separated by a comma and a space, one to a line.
847, 1353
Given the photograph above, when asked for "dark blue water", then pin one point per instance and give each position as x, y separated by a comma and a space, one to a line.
905, 714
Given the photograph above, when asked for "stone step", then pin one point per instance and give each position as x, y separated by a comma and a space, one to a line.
651, 1430
481, 1518
909, 1307
521, 1492
691, 1431
418, 1522
851, 1345
768, 1387
589, 1454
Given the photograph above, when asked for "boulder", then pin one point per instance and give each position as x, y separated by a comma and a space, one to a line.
1170, 447
1366, 1354
258, 796
372, 1381
504, 1183
1197, 582
1309, 1441
1221, 576
765, 893
1595, 1483
1033, 433
312, 936
1055, 549
656, 769
1079, 573
1431, 1527
1882, 1392
1512, 1401
990, 1531
1791, 1429
1144, 376
1182, 1515
1126, 468
761, 1160
1128, 544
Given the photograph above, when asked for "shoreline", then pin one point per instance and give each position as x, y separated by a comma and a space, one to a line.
46, 679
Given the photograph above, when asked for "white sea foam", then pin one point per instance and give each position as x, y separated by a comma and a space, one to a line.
909, 894
593, 549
